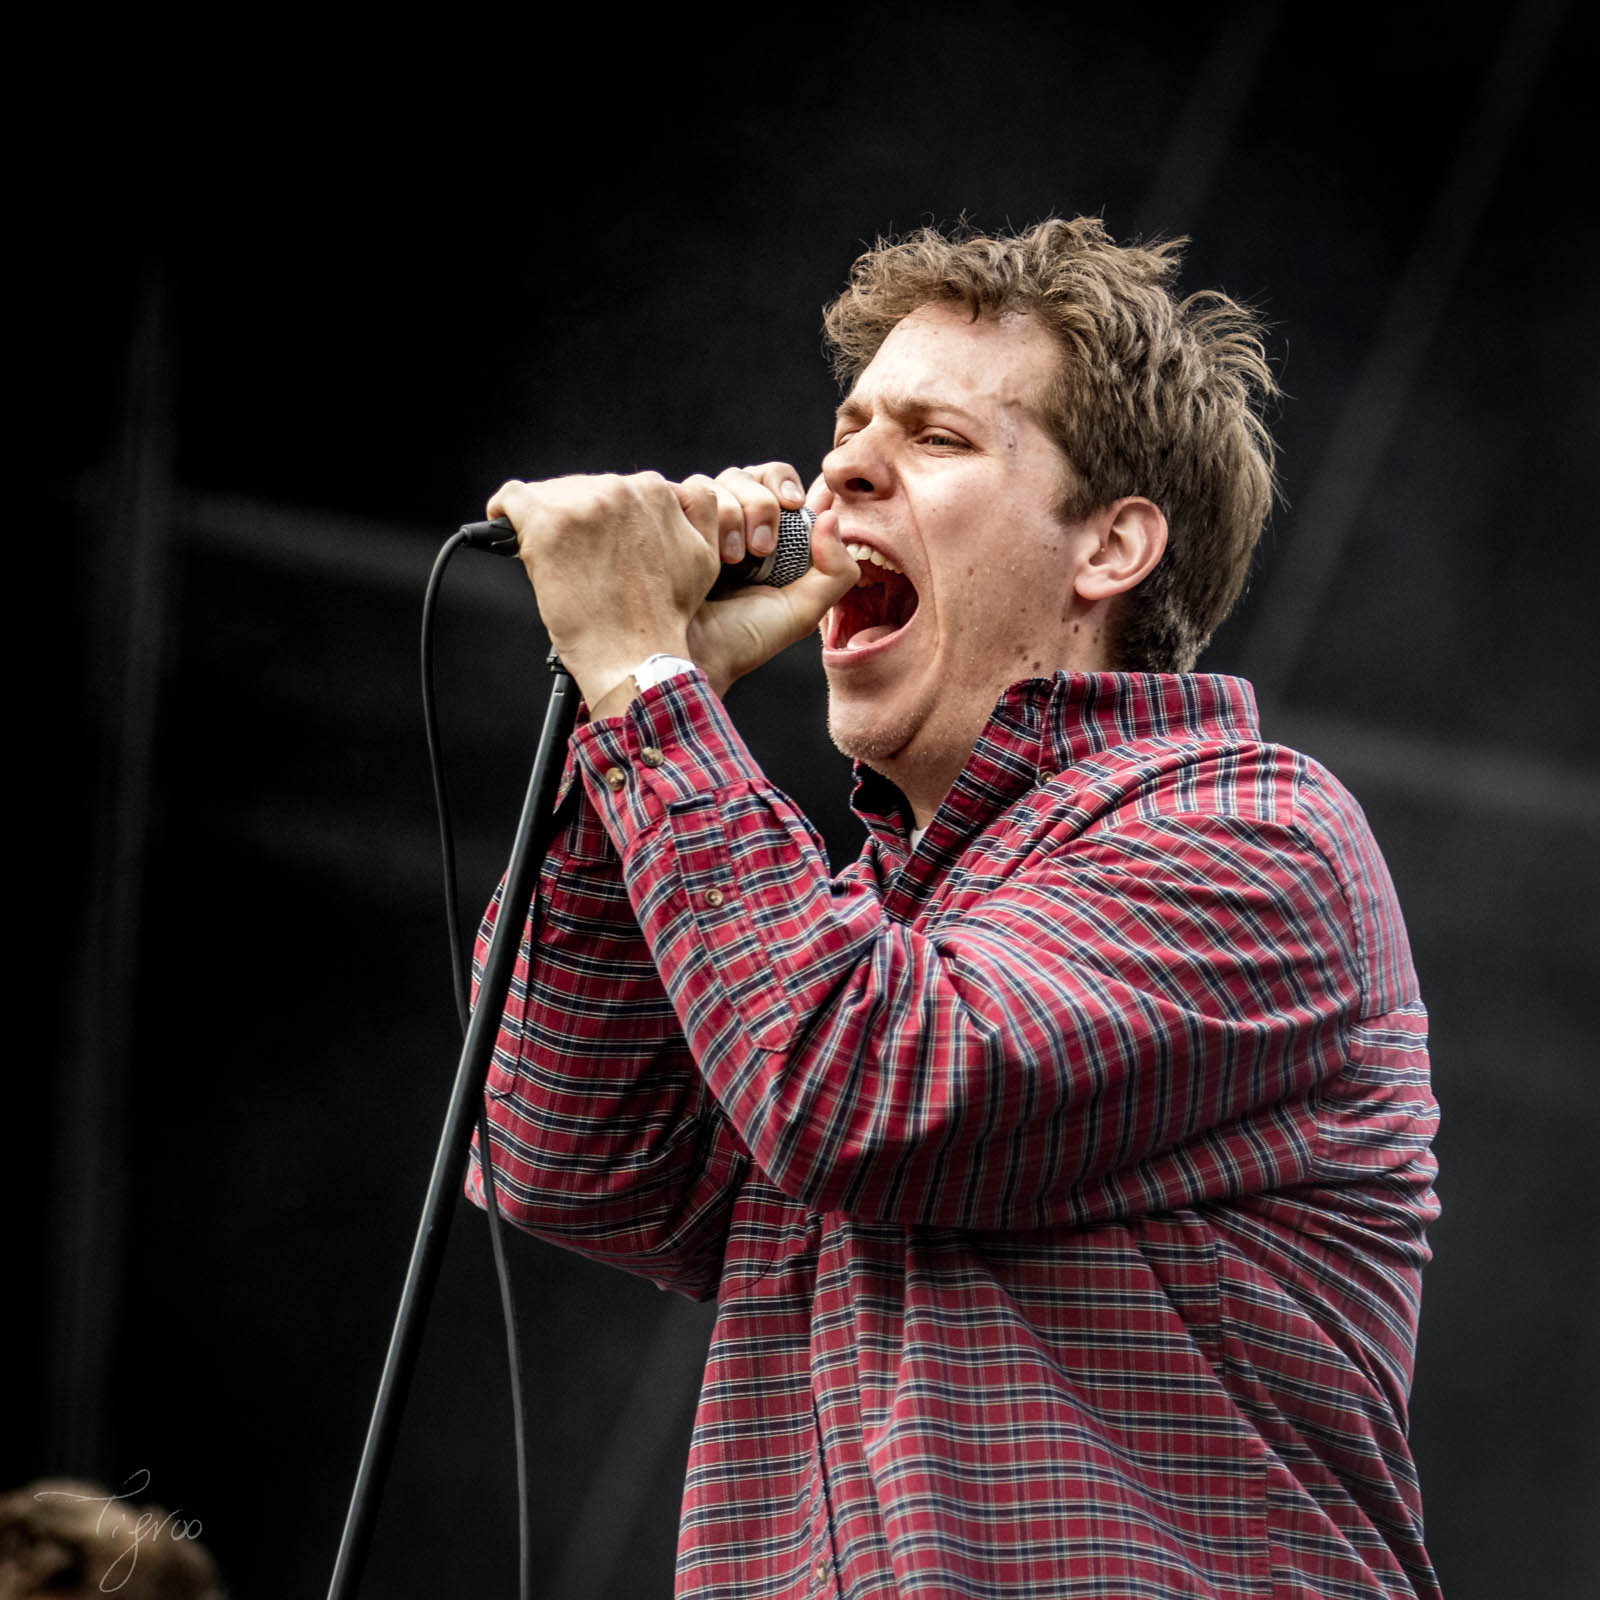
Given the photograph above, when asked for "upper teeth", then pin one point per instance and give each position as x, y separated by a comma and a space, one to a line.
865, 552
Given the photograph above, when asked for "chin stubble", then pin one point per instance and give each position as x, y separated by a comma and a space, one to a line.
863, 738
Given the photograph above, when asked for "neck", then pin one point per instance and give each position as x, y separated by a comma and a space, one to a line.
925, 776
924, 780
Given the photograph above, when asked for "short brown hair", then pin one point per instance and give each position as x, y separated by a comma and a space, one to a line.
1156, 397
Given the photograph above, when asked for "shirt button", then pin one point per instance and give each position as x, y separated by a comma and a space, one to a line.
714, 898
616, 778
651, 756
822, 1570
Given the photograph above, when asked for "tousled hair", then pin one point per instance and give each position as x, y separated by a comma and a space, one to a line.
1155, 396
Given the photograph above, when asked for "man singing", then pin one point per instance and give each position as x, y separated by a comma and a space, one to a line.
1061, 1169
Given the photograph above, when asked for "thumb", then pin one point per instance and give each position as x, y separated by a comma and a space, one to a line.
833, 572
833, 569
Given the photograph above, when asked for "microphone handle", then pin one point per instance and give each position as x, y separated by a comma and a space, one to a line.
790, 558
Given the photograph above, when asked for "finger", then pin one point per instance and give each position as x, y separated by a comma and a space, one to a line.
819, 497
758, 508
701, 504
764, 491
782, 480
727, 530
500, 501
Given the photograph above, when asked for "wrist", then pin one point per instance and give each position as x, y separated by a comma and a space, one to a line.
657, 668
615, 700
601, 668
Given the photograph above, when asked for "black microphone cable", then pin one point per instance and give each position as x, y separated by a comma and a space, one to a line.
460, 984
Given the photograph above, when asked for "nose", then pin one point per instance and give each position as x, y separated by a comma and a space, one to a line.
857, 468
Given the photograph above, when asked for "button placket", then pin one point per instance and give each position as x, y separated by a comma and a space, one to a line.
817, 1517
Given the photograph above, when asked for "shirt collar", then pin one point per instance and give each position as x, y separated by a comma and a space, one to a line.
1044, 726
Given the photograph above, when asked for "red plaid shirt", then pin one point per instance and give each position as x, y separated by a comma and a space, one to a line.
1062, 1182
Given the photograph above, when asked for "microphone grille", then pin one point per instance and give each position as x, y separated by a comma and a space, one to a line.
792, 557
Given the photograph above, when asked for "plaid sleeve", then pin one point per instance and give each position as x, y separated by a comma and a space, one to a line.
605, 1139
1136, 1019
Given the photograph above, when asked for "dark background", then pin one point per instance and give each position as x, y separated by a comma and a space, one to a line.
306, 296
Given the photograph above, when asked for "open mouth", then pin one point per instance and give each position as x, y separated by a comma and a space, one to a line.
883, 601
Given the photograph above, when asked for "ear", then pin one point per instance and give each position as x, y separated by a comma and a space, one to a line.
1128, 537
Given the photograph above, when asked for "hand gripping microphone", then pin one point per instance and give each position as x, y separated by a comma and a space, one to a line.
790, 558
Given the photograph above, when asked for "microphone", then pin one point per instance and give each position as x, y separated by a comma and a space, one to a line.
790, 558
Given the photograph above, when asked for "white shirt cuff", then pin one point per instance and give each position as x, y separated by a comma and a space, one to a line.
660, 668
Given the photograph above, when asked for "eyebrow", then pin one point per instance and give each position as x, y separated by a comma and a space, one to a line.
900, 406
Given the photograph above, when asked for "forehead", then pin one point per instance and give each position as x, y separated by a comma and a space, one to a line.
938, 352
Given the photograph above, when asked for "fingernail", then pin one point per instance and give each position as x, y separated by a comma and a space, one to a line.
762, 539
731, 545
793, 493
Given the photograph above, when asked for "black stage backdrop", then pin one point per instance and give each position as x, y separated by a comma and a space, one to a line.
302, 304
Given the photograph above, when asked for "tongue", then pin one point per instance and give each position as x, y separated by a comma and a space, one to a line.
859, 641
